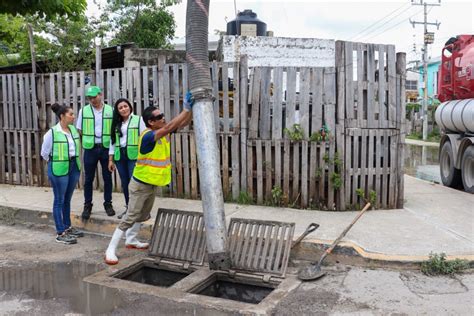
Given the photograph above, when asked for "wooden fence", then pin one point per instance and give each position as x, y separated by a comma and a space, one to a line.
358, 105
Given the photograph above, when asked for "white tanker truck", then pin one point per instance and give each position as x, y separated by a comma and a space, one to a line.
455, 116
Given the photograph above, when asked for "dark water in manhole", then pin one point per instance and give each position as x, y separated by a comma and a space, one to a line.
154, 276
60, 281
246, 293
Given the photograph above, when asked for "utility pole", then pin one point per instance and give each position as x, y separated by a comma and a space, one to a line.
32, 48
428, 39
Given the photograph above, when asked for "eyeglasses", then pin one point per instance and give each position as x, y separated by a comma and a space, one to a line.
157, 117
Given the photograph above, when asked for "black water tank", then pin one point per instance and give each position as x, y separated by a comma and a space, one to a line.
247, 24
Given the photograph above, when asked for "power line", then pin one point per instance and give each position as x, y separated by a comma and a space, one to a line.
380, 20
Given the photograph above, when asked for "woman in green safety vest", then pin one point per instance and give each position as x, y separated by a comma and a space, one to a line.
60, 148
123, 150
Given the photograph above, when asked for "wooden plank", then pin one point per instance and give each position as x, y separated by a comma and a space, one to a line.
52, 97
385, 169
264, 120
185, 88
16, 104
235, 166
225, 164
250, 168
277, 103
304, 114
381, 87
225, 96
22, 152
290, 108
313, 173
304, 174
137, 87
392, 186
243, 97
371, 155
179, 165
16, 156
130, 95
21, 98
329, 101
194, 170
167, 105
296, 173
268, 170
9, 157
29, 159
174, 180
370, 59
286, 168
108, 96
154, 70
255, 92
236, 97
146, 96
60, 88
349, 90
391, 72
278, 160
176, 107
28, 104
2, 149
67, 88
10, 98
161, 82
340, 68
186, 165
5, 121
259, 160
215, 93
348, 166
355, 167
360, 88
316, 89
378, 169
74, 104
82, 89
364, 160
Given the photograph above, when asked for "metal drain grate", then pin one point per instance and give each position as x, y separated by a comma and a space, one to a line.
179, 235
260, 246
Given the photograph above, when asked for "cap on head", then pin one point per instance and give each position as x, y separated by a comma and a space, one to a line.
93, 91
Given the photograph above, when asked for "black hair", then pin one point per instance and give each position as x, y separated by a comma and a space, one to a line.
117, 120
60, 109
148, 114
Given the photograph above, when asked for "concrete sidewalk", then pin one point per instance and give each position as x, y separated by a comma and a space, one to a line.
435, 219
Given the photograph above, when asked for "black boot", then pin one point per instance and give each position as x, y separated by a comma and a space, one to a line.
109, 209
86, 213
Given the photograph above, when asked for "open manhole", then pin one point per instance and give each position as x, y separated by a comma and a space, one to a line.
149, 273
259, 254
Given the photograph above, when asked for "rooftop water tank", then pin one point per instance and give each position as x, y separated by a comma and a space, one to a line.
247, 24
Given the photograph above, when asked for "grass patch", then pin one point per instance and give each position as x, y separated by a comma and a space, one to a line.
438, 265
244, 198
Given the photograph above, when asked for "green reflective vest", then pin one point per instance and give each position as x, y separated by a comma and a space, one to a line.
132, 139
88, 126
155, 167
60, 153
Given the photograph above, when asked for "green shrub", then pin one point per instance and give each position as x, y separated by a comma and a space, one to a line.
244, 198
295, 133
438, 265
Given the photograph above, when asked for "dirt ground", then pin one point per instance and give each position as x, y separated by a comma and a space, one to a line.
41, 277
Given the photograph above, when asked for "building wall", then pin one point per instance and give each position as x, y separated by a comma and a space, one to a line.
263, 51
432, 79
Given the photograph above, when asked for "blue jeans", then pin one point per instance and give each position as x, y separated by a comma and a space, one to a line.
63, 187
125, 170
91, 158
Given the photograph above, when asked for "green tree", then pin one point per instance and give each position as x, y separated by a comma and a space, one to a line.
143, 22
44, 8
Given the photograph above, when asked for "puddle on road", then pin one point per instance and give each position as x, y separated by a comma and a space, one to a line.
422, 162
60, 280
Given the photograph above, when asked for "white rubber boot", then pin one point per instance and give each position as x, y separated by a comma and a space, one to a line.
110, 257
131, 241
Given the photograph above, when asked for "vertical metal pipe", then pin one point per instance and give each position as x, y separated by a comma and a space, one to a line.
197, 20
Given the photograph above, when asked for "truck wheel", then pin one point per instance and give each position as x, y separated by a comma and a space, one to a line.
467, 169
450, 176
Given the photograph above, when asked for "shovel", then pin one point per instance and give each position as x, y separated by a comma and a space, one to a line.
311, 228
313, 270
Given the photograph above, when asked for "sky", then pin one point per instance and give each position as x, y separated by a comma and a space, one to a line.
381, 21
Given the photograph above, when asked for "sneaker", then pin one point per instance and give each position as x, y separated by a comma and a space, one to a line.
86, 213
109, 209
73, 232
66, 239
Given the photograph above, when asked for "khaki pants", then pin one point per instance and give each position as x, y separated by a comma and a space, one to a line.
142, 197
